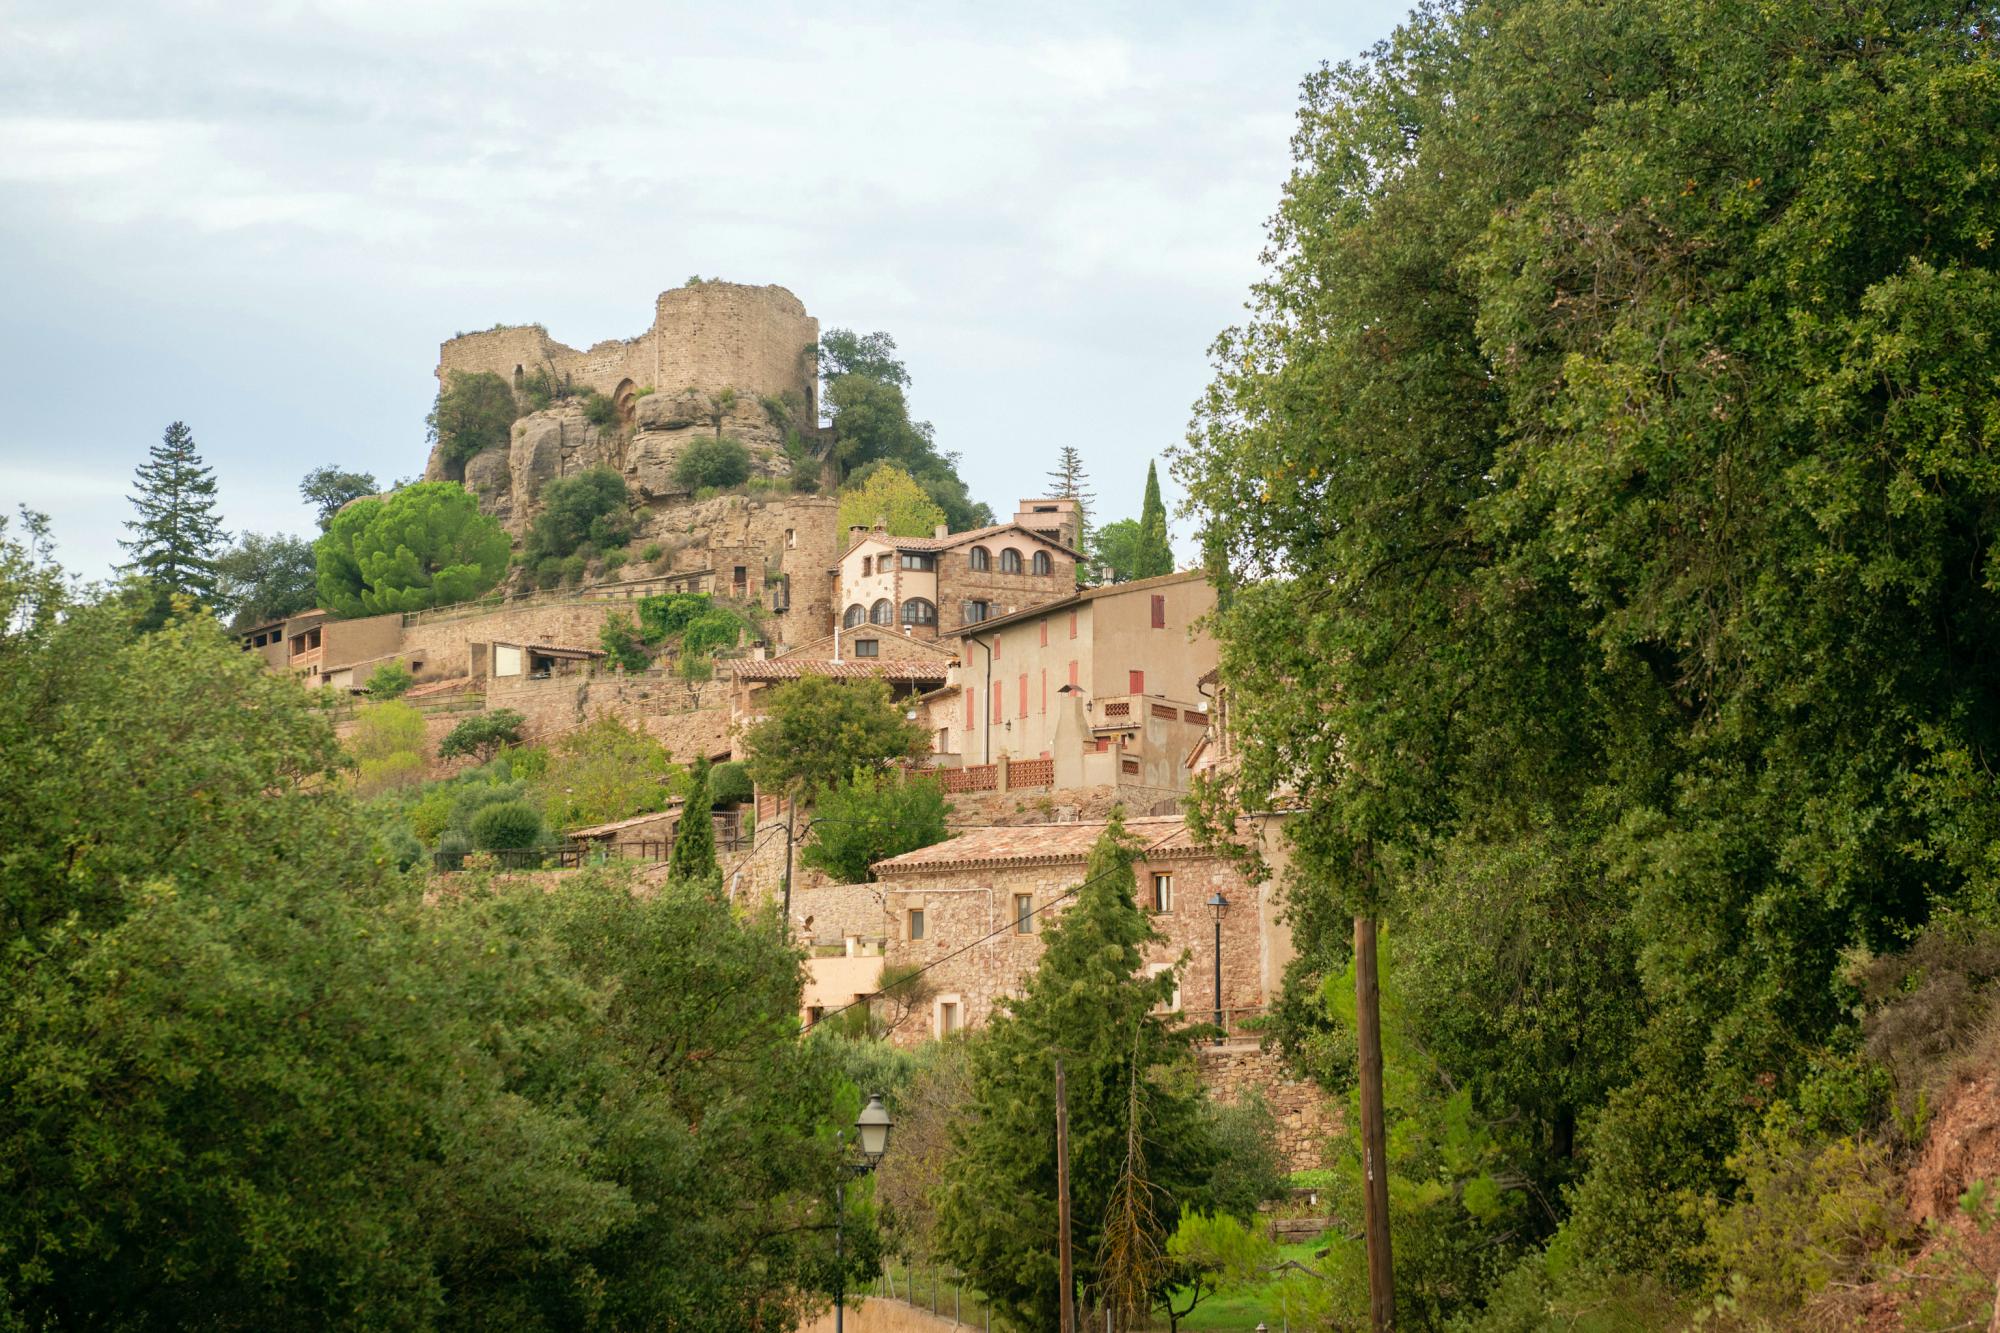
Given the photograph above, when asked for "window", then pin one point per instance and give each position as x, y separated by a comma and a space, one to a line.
781, 593
1172, 1003
1043, 565
1159, 611
1010, 561
1135, 682
867, 648
867, 565
978, 560
791, 539
742, 578
917, 611
856, 615
950, 1015
1024, 914
1045, 631
1163, 892
999, 698
997, 641
814, 1012
1072, 673
1045, 690
916, 923
971, 707
1024, 694
918, 560
1072, 630
883, 612
975, 612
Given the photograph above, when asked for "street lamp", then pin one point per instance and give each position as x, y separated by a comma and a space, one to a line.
1218, 905
871, 1136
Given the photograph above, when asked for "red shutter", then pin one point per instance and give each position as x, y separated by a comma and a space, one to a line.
1045, 689
1024, 694
999, 700
1135, 682
1072, 673
1072, 630
970, 704
1045, 631
1159, 611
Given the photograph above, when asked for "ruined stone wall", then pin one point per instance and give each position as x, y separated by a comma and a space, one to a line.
718, 335
1307, 1118
445, 644
659, 703
791, 536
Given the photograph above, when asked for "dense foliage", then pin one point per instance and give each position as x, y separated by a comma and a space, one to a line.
178, 534
424, 545
717, 462
817, 733
590, 506
328, 488
692, 858
865, 397
474, 412
482, 735
1131, 1095
262, 578
872, 817
1606, 489
251, 1078
883, 491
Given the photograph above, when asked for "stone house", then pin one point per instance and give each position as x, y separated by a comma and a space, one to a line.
908, 665
933, 586
324, 650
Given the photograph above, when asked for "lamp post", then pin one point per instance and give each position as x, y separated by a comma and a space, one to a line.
1218, 905
871, 1136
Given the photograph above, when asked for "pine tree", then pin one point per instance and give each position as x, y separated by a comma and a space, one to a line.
1069, 479
178, 534
1130, 1078
1156, 554
693, 854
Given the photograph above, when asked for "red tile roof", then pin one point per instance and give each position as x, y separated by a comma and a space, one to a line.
1087, 595
1026, 844
791, 668
958, 539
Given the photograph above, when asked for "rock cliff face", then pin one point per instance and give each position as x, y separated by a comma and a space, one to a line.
645, 449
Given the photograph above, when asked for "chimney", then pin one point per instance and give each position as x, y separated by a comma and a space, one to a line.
881, 522
942, 530
855, 532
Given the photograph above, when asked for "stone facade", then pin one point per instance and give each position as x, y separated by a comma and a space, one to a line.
971, 889
934, 586
1306, 1117
712, 336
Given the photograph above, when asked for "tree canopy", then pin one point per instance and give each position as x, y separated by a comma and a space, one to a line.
818, 732
871, 818
178, 534
1604, 480
327, 488
865, 397
424, 545
590, 506
474, 412
885, 491
264, 578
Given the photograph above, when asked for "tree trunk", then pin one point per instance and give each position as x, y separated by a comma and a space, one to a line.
1374, 1166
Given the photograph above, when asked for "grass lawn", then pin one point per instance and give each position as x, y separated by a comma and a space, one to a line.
1239, 1312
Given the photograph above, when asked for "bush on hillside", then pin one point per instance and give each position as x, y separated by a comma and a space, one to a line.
506, 826
592, 506
870, 819
482, 734
622, 644
718, 463
474, 412
729, 784
391, 680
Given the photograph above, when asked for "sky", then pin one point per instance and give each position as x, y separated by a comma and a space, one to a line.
263, 219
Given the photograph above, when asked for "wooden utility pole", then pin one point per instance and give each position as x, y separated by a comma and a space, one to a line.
1062, 1200
1374, 1166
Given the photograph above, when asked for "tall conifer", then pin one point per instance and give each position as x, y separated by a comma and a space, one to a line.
178, 534
1067, 479
693, 854
1156, 554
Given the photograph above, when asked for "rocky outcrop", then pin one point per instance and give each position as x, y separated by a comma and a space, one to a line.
645, 448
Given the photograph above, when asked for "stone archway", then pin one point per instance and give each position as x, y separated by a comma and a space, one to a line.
626, 399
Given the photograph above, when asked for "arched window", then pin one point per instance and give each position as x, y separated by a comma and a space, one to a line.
856, 615
1010, 561
917, 611
1042, 564
883, 612
978, 559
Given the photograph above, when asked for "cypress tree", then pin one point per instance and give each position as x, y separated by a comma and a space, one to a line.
1156, 555
178, 534
1088, 1002
693, 854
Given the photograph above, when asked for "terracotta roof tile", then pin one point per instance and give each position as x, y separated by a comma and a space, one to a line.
791, 668
1161, 835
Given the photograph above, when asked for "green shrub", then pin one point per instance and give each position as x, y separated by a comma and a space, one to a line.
390, 681
474, 412
482, 734
652, 552
506, 826
622, 644
451, 847
713, 463
548, 571
591, 507
729, 784
667, 614
716, 628
598, 410
402, 848
431, 815
870, 819
614, 561
573, 568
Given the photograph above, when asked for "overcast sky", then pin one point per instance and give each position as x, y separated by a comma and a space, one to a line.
262, 219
